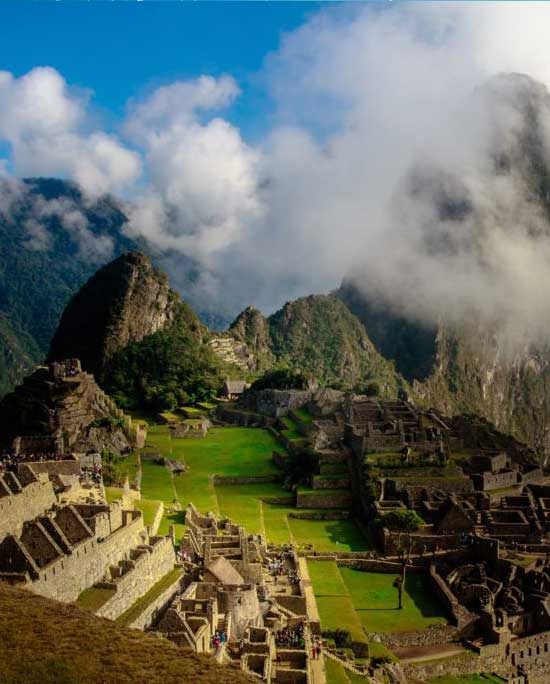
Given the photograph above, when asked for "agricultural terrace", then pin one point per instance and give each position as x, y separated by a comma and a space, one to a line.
337, 674
264, 507
354, 600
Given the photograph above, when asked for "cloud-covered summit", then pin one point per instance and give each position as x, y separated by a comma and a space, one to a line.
395, 153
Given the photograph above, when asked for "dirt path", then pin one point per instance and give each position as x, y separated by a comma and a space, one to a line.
415, 654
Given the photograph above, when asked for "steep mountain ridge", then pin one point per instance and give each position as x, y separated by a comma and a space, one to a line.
51, 241
319, 335
123, 302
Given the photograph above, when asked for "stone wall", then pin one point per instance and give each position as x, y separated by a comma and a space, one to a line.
156, 561
440, 634
322, 499
487, 481
277, 403
320, 482
67, 577
296, 604
36, 498
153, 611
461, 616
69, 466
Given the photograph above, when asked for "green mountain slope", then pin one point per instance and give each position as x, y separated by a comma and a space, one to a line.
144, 345
320, 336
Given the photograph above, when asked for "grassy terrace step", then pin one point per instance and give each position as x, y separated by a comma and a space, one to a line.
149, 509
333, 468
154, 592
323, 498
303, 415
93, 598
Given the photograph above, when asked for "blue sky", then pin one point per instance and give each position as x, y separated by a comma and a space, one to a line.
121, 49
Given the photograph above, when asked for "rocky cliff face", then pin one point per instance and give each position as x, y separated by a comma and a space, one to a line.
124, 302
251, 327
466, 369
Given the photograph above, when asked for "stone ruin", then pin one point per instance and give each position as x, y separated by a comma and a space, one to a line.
60, 549
64, 405
229, 589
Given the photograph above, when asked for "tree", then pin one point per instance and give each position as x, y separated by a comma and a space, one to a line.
404, 522
373, 389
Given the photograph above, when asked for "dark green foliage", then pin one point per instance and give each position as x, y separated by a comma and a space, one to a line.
401, 521
341, 637
167, 369
373, 389
107, 422
283, 379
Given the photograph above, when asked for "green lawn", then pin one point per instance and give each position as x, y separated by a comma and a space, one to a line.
237, 452
334, 602
224, 451
375, 600
291, 429
336, 673
156, 590
156, 482
243, 503
326, 579
329, 535
149, 509
304, 415
113, 494
366, 602
93, 598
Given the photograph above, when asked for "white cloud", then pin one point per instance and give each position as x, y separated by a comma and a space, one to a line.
46, 125
202, 192
381, 161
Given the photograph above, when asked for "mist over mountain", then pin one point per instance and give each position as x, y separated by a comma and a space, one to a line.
53, 237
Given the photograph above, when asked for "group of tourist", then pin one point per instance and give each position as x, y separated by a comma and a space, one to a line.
316, 649
291, 638
218, 639
183, 556
9, 460
92, 473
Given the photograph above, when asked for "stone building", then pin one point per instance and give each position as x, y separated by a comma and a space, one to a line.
231, 591
59, 549
61, 407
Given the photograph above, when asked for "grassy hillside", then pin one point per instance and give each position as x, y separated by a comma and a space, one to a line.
45, 642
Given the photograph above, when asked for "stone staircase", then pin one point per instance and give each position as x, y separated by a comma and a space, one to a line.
347, 664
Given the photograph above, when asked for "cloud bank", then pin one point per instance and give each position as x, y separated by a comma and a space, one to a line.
395, 155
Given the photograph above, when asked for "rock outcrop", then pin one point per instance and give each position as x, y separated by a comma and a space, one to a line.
124, 302
69, 408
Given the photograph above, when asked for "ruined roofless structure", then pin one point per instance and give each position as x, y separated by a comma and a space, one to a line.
64, 405
230, 591
59, 550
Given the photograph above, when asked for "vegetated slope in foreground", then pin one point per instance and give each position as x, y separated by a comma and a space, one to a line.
46, 642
